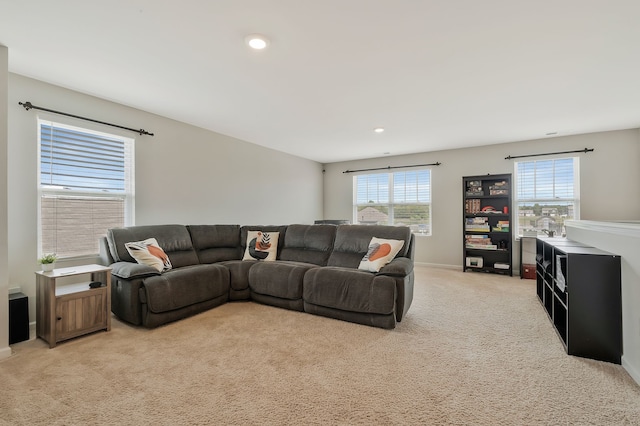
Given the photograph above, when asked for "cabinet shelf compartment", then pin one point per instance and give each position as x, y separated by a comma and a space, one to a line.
560, 320
540, 287
548, 299
560, 294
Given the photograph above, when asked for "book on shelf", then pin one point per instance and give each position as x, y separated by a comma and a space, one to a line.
477, 224
501, 226
482, 246
500, 265
477, 220
480, 239
472, 206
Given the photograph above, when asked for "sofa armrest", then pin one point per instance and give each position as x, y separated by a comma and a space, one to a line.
401, 269
398, 267
130, 270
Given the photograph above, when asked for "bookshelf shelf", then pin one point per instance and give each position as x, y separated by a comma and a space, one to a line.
486, 203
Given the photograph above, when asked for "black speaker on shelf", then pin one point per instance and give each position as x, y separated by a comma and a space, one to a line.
18, 318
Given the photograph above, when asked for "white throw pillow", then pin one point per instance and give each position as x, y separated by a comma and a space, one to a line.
380, 253
261, 245
148, 252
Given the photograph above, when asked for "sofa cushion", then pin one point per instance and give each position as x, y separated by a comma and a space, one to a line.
261, 245
280, 279
352, 242
380, 252
308, 243
350, 290
185, 286
238, 273
148, 252
174, 240
216, 243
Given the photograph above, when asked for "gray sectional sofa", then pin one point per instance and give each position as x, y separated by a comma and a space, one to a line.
316, 271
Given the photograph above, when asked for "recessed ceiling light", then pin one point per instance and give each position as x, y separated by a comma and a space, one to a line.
551, 133
256, 41
379, 129
386, 153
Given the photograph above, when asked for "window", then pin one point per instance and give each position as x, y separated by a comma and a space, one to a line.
401, 198
547, 194
85, 187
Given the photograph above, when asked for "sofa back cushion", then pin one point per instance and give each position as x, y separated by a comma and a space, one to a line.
352, 242
280, 229
308, 243
173, 239
216, 243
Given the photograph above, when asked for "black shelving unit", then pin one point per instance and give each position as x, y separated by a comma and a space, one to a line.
580, 289
487, 224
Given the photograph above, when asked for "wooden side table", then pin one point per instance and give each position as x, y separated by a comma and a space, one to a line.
67, 311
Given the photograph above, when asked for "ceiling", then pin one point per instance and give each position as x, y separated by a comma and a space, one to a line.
436, 74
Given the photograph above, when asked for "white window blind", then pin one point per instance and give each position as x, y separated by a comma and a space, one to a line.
547, 193
400, 198
86, 187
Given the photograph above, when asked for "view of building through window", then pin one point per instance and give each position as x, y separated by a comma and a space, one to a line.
400, 198
547, 194
85, 186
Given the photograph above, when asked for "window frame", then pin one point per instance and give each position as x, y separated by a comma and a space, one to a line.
44, 190
545, 201
390, 204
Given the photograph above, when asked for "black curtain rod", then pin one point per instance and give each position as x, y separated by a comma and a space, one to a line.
28, 105
548, 153
394, 167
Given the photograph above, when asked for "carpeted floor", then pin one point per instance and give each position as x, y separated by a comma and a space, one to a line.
474, 349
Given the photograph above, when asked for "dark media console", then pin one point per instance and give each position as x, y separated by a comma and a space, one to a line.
580, 288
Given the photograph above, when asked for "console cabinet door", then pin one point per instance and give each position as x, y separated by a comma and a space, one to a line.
79, 313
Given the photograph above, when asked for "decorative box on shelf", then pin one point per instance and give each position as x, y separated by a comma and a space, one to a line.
474, 262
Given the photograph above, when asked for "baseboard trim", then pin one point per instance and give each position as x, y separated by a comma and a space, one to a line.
515, 273
5, 352
439, 265
635, 375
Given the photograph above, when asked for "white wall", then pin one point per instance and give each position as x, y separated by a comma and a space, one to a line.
607, 176
184, 174
5, 351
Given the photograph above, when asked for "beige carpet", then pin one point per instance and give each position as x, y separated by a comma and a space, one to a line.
473, 349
